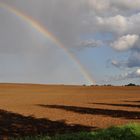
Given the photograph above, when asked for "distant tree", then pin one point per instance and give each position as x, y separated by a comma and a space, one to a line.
93, 85
109, 85
130, 84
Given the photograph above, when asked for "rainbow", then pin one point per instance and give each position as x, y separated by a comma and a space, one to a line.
45, 32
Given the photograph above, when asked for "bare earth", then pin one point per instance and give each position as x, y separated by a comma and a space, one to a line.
34, 109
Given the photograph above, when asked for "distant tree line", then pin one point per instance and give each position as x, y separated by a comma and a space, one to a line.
130, 84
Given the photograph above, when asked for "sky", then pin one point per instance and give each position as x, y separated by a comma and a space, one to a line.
91, 41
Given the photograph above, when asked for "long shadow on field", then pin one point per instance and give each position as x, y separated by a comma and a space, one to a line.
121, 105
16, 125
98, 111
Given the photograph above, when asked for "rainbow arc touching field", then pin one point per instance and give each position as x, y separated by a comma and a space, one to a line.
45, 32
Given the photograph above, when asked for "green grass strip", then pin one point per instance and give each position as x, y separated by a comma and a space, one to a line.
127, 132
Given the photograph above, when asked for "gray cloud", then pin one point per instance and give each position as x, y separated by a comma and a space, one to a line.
128, 75
119, 64
68, 21
124, 7
132, 61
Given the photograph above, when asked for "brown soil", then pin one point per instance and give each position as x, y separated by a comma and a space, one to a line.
41, 109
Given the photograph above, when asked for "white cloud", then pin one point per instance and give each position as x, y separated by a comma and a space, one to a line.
114, 62
125, 42
91, 43
118, 24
